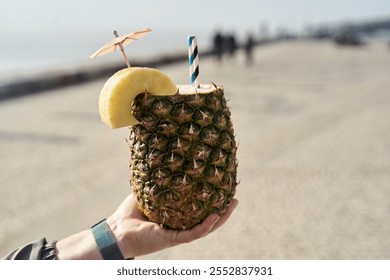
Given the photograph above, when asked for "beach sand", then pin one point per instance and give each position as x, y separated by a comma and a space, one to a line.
313, 125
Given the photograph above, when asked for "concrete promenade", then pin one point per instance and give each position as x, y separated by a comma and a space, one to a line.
313, 125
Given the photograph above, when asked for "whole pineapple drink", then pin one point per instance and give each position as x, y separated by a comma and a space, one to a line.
182, 148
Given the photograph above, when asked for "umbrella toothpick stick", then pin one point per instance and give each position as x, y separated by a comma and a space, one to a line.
120, 41
122, 50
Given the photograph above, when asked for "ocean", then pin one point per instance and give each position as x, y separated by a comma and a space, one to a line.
26, 54
42, 35
30, 54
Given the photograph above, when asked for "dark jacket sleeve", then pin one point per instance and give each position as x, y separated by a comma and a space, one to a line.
37, 250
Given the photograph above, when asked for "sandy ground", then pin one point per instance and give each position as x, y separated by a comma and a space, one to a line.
313, 125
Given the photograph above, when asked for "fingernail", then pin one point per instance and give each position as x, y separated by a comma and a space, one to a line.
215, 219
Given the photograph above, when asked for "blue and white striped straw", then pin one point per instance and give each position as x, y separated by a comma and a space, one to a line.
193, 60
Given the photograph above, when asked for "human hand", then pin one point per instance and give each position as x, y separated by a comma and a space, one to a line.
137, 236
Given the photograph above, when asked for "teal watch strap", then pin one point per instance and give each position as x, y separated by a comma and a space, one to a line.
105, 241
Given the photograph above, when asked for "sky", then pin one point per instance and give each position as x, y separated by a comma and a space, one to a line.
38, 15
38, 30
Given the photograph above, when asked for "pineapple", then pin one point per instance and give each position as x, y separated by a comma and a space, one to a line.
182, 148
120, 90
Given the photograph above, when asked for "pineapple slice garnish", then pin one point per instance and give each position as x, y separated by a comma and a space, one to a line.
120, 90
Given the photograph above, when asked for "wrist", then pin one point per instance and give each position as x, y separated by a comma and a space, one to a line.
119, 233
106, 241
80, 246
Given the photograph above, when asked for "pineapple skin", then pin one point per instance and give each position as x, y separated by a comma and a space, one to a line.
183, 164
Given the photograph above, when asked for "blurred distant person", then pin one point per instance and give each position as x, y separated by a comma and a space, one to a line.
218, 46
231, 45
249, 44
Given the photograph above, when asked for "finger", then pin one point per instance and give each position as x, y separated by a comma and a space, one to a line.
226, 216
198, 231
